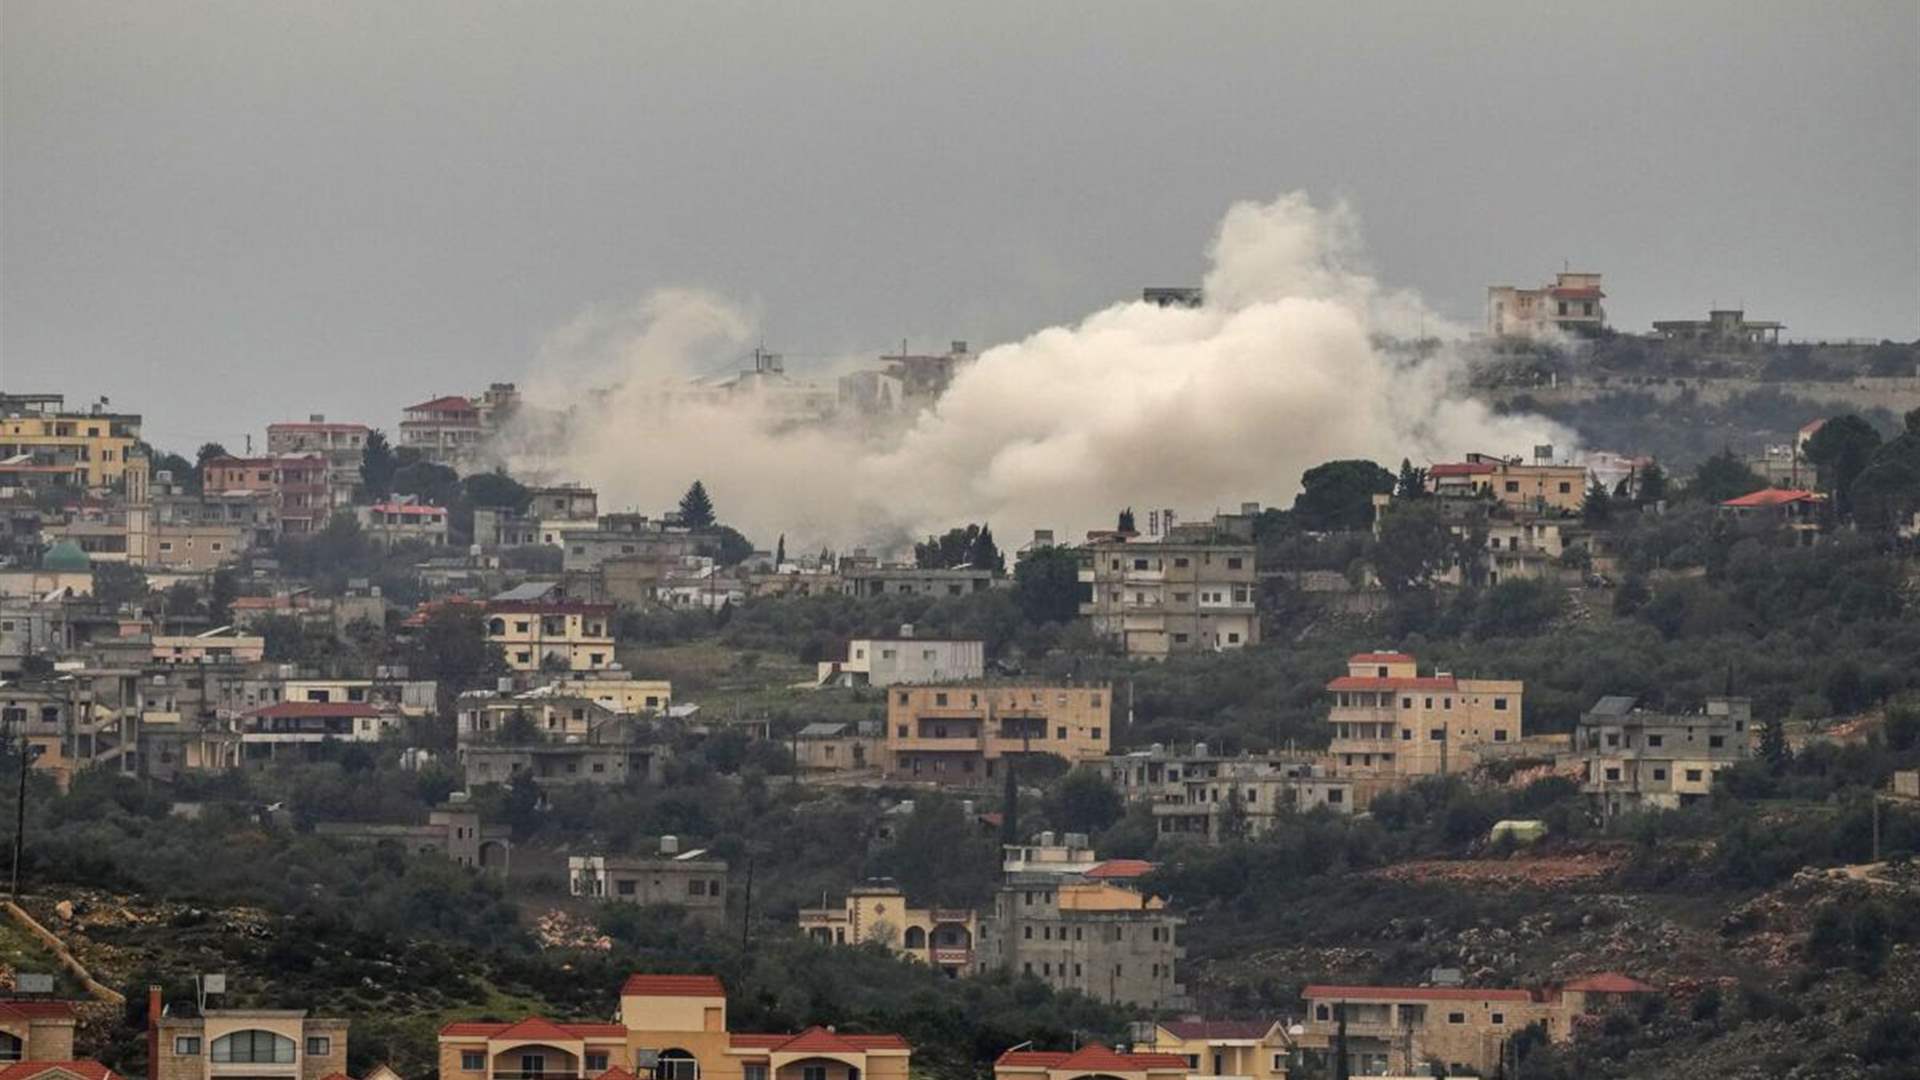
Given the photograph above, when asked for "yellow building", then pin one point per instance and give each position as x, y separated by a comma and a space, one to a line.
567, 634
631, 696
39, 425
1090, 1062
671, 1027
1389, 720
879, 913
959, 734
1250, 1049
1542, 487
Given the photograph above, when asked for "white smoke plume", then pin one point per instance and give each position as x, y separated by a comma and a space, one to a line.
1137, 405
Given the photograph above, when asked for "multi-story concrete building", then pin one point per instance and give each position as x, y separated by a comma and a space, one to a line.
1194, 794
1090, 1061
36, 1030
1401, 1029
1388, 720
692, 880
551, 738
298, 485
671, 1027
268, 1044
1250, 1049
620, 693
1570, 306
905, 659
959, 734
96, 444
1635, 759
1104, 940
554, 632
446, 430
879, 912
863, 577
302, 727
1188, 588
403, 521
1541, 487
343, 445
832, 746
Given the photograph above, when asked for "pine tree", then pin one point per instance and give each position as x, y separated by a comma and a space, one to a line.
1773, 746
1126, 521
985, 554
1599, 505
696, 509
1412, 483
1653, 483
780, 552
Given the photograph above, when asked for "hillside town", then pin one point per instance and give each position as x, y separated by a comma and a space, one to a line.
848, 541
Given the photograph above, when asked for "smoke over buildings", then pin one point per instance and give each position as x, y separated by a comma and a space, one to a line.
1138, 404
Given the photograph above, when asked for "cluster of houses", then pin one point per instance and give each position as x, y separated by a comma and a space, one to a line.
676, 1027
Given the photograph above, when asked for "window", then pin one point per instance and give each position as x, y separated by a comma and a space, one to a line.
753, 1072
186, 1045
1613, 774
597, 1062
1456, 1018
1693, 776
1513, 486
939, 699
1656, 740
813, 1072
1716, 741
677, 1065
1095, 732
1436, 734
1498, 1018
1139, 564
319, 1046
472, 1061
253, 1046
1060, 733
1499, 704
1500, 735
1029, 931
1335, 795
1234, 563
1182, 562
1659, 774
1406, 734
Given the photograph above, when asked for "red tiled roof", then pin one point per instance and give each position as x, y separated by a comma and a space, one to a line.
1413, 993
1460, 468
531, 1028
1380, 658
672, 986
1772, 497
85, 1069
1091, 1058
816, 1040
450, 403
1219, 1029
1121, 868
39, 1010
1368, 682
1609, 982
294, 709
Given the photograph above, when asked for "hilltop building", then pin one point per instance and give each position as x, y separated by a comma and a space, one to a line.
1389, 721
1073, 933
343, 445
1541, 487
267, 1044
1722, 327
95, 447
1569, 306
453, 830
905, 659
691, 880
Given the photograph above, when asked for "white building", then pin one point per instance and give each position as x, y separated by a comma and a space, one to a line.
905, 659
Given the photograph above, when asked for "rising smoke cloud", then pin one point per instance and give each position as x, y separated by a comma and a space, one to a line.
1136, 405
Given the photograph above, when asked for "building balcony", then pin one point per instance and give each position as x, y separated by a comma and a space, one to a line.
952, 957
950, 744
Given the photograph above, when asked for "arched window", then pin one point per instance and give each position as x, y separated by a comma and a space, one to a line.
916, 938
11, 1049
496, 626
677, 1064
253, 1046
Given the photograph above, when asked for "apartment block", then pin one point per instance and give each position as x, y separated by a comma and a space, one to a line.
298, 484
96, 445
863, 577
300, 728
1189, 588
1104, 940
1388, 720
445, 430
1641, 759
691, 880
551, 739
1197, 794
557, 633
960, 734
905, 659
940, 937
36, 1030
403, 521
670, 1027
343, 445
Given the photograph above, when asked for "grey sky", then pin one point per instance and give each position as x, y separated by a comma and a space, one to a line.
226, 214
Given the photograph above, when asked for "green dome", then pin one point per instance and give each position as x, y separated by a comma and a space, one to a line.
66, 556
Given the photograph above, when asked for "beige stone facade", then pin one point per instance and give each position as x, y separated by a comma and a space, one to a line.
257, 1044
940, 937
1388, 720
959, 734
36, 1030
1166, 595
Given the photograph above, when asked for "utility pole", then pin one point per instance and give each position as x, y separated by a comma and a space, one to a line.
746, 909
20, 815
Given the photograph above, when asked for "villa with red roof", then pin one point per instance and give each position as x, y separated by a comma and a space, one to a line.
83, 1069
1389, 721
1255, 1049
1399, 1029
1569, 306
1792, 508
1091, 1060
672, 1027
